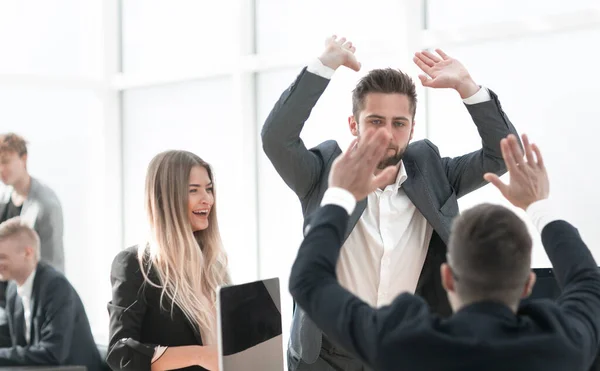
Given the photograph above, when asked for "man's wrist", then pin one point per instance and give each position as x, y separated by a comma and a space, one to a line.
329, 62
467, 88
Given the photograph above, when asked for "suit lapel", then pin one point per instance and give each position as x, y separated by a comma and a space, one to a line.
35, 300
358, 211
19, 321
416, 188
4, 200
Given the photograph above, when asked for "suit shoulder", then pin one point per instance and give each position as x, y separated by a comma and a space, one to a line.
126, 264
327, 150
52, 280
423, 145
44, 194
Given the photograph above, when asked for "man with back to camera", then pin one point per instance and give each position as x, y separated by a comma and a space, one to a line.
47, 321
397, 236
486, 276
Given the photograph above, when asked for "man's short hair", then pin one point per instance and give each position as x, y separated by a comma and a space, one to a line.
11, 142
18, 230
387, 81
490, 254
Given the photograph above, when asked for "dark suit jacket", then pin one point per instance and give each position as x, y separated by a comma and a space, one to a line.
543, 335
60, 330
137, 322
433, 184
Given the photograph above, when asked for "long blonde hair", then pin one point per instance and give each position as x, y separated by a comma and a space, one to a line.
190, 265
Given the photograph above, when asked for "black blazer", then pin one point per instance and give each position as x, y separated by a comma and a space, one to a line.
137, 322
543, 335
60, 331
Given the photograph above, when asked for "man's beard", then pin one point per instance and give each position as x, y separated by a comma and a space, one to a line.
392, 160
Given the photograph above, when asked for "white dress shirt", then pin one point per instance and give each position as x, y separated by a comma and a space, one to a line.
24, 293
384, 254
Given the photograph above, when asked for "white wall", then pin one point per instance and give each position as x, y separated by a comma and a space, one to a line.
547, 94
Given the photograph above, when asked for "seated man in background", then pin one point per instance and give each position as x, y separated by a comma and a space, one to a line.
48, 324
486, 275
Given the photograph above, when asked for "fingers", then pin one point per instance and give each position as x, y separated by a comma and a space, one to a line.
538, 155
495, 180
442, 54
385, 177
372, 147
432, 56
507, 155
425, 81
528, 151
352, 147
517, 153
422, 65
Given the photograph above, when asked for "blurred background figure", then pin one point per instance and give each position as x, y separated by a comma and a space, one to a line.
47, 320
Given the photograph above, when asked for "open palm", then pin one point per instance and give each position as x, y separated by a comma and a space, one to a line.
444, 72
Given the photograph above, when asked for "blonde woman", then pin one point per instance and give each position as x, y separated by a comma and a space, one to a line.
162, 312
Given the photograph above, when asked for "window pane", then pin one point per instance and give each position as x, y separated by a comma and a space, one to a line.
177, 34
193, 116
59, 37
293, 25
444, 14
551, 101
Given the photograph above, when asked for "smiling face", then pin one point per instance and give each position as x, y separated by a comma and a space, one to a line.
200, 198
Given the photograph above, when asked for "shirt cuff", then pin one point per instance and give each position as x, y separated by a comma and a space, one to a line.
319, 69
541, 214
482, 95
158, 352
340, 197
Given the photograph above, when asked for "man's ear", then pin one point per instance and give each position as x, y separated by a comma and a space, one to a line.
353, 125
412, 130
447, 278
529, 285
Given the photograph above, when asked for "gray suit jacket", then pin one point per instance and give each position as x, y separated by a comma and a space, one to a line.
43, 211
433, 184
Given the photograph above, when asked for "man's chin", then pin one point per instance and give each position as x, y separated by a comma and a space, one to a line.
390, 161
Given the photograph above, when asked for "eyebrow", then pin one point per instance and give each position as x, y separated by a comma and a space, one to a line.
383, 118
198, 185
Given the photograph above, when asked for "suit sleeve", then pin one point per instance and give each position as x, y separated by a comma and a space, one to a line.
50, 229
297, 166
578, 275
350, 322
126, 311
465, 172
56, 331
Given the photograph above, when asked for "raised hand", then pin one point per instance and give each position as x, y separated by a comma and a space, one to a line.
354, 169
339, 52
445, 72
528, 178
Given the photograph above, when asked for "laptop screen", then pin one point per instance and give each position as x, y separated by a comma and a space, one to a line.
249, 326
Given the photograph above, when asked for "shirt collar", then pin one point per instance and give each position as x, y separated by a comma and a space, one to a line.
400, 178
26, 289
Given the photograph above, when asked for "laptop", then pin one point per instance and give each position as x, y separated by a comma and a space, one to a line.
249, 326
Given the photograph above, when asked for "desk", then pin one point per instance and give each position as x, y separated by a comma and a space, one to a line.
44, 368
